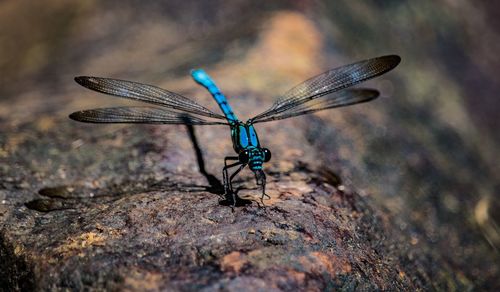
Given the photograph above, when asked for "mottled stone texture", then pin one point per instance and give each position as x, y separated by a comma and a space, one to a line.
396, 194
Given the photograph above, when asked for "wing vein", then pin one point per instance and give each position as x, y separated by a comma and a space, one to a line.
140, 115
329, 82
145, 93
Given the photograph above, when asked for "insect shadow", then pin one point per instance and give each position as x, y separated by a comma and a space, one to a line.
65, 197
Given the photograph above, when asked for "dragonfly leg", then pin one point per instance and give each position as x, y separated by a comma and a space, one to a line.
261, 180
225, 176
264, 193
231, 184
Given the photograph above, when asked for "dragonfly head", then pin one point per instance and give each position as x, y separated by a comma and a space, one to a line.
254, 157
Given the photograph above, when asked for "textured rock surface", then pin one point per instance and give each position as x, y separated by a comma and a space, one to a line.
396, 194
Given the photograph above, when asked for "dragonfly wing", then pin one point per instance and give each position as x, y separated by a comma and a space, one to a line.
146, 93
337, 99
140, 115
328, 82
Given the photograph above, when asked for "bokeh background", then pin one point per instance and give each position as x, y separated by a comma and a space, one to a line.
425, 153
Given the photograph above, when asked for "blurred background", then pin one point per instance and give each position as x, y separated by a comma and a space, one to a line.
426, 152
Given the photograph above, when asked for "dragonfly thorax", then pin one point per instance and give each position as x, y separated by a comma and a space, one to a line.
244, 136
246, 144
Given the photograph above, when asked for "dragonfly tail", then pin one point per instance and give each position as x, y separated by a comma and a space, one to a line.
202, 78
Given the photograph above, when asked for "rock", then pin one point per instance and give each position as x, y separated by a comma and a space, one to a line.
396, 194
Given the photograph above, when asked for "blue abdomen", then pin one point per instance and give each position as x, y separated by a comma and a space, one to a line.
200, 76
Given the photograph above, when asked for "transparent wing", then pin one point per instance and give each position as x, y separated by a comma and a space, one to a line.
337, 99
328, 82
146, 93
140, 115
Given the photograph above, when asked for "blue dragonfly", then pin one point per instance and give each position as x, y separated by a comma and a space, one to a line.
325, 91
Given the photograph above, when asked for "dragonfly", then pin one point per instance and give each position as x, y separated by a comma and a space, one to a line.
328, 90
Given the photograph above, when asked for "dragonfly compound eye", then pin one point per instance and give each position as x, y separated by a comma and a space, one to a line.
267, 154
243, 157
